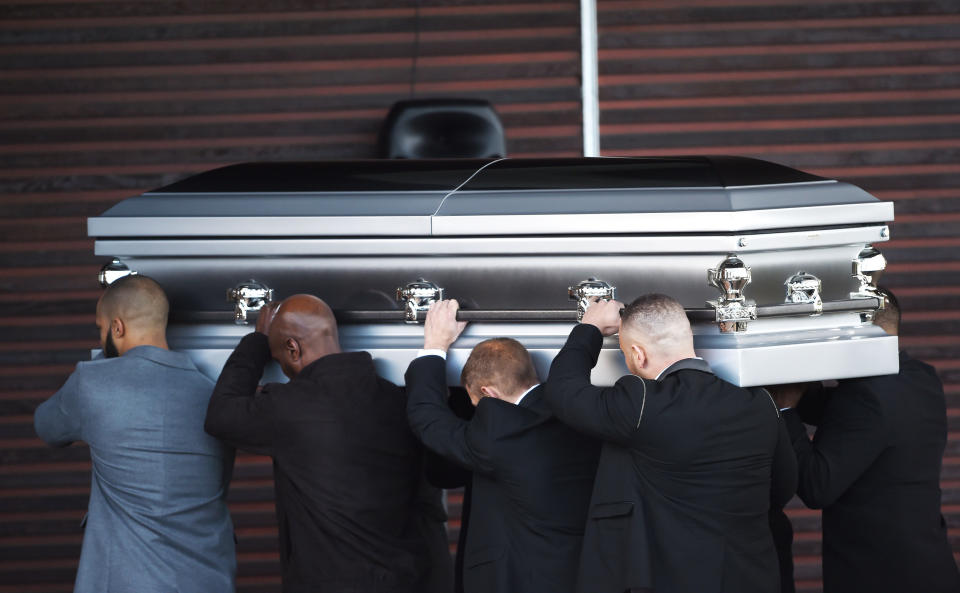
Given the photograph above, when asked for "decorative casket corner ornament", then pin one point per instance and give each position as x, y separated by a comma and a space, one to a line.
112, 272
733, 310
867, 268
587, 290
247, 296
804, 288
416, 297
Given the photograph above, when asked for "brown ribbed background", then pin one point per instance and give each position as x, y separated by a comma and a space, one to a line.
102, 100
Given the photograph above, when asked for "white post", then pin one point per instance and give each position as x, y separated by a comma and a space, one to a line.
589, 86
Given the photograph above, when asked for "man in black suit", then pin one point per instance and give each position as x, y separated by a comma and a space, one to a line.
874, 469
532, 475
346, 467
689, 466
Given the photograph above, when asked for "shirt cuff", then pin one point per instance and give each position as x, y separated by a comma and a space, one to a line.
432, 352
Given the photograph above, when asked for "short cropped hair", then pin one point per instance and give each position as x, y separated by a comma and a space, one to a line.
138, 300
659, 319
889, 317
499, 362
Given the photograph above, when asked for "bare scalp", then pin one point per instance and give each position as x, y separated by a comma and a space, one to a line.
138, 300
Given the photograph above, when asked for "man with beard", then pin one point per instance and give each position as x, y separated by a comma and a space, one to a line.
157, 518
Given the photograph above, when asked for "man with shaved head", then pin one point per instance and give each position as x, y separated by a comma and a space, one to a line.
157, 518
690, 463
532, 475
346, 467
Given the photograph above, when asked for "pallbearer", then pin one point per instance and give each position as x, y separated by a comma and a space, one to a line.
532, 475
346, 467
689, 461
157, 518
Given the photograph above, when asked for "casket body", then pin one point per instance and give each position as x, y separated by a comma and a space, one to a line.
512, 236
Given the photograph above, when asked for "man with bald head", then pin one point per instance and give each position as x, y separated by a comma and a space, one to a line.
157, 518
346, 467
532, 475
690, 463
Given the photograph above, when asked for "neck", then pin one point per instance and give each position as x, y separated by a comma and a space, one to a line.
669, 361
156, 341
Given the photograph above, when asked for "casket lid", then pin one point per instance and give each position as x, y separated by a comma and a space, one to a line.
491, 197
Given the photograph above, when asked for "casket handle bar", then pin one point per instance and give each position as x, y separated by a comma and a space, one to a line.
733, 310
702, 315
416, 297
587, 290
248, 296
112, 272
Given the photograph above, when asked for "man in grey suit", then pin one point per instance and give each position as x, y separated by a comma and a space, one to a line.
157, 521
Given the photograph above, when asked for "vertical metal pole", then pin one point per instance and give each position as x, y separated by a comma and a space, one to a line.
589, 86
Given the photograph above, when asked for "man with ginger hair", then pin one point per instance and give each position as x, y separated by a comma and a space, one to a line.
690, 463
346, 467
157, 519
532, 476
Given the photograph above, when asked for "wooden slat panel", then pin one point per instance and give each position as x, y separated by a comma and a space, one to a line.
861, 91
100, 100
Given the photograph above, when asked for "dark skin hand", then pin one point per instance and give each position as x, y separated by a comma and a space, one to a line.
265, 319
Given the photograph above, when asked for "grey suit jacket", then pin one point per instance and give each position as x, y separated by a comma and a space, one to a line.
157, 519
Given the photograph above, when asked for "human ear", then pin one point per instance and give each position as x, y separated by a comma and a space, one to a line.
639, 355
293, 349
488, 391
118, 328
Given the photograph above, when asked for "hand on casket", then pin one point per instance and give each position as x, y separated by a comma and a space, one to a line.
441, 328
604, 315
265, 318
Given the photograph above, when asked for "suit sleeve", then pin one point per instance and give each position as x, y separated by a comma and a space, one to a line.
57, 420
813, 403
435, 424
609, 413
784, 478
852, 433
238, 414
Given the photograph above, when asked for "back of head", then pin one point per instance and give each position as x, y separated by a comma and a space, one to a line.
659, 322
889, 317
502, 363
303, 330
139, 301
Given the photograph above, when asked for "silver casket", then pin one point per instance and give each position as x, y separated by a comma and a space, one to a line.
775, 267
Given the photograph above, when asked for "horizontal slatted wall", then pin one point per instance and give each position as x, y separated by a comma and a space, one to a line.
102, 100
867, 92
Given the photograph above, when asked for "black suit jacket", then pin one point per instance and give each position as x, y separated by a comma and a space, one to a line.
532, 478
346, 468
874, 469
686, 476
